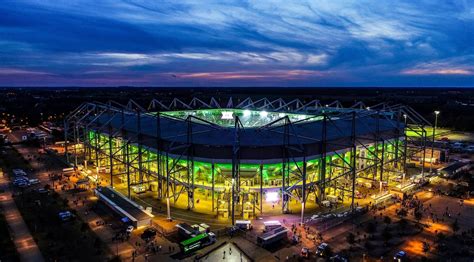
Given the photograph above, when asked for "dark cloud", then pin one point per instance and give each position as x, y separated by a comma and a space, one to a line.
307, 43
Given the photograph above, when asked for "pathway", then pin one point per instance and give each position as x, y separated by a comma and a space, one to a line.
22, 238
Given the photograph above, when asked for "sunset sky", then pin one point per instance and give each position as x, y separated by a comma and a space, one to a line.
237, 43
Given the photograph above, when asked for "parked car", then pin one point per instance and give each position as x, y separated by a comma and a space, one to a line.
42, 191
21, 182
18, 172
304, 252
20, 179
129, 229
323, 250
339, 258
34, 181
401, 256
65, 216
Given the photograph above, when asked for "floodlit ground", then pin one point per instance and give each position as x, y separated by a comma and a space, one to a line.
228, 252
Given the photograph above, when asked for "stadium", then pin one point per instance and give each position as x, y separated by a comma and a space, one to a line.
247, 158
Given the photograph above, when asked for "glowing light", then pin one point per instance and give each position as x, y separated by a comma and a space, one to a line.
263, 113
281, 114
271, 196
247, 113
436, 112
229, 115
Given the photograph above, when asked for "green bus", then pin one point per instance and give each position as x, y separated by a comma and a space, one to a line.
195, 243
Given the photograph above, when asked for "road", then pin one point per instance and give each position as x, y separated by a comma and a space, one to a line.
24, 242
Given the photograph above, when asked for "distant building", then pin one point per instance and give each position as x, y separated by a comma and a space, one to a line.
455, 168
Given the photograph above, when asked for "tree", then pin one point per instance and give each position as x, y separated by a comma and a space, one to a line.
97, 243
387, 220
418, 215
455, 226
403, 223
350, 238
55, 195
371, 227
368, 245
402, 212
387, 235
84, 227
440, 237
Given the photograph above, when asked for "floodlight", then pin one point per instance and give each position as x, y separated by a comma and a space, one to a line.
271, 196
263, 113
247, 113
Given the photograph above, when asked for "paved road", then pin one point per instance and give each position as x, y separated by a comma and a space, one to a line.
22, 238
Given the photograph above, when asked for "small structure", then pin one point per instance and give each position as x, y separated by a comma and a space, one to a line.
124, 206
83, 183
455, 168
272, 236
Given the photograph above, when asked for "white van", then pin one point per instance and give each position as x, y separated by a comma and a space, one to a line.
243, 224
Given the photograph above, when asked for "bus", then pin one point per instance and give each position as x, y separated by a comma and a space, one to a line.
197, 242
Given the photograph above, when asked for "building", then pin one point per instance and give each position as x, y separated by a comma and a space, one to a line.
455, 168
245, 158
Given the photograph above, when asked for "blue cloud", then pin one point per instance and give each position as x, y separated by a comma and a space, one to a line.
279, 42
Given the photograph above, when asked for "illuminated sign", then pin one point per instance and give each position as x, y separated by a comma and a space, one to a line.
192, 246
228, 115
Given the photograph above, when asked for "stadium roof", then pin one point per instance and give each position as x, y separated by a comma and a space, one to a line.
262, 144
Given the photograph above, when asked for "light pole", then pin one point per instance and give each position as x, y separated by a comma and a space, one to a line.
404, 168
432, 142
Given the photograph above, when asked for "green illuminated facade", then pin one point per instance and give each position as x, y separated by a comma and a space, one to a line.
205, 177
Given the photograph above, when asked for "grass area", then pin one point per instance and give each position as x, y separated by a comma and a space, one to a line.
7, 247
415, 131
58, 241
442, 132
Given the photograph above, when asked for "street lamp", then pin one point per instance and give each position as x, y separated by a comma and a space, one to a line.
432, 142
97, 176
